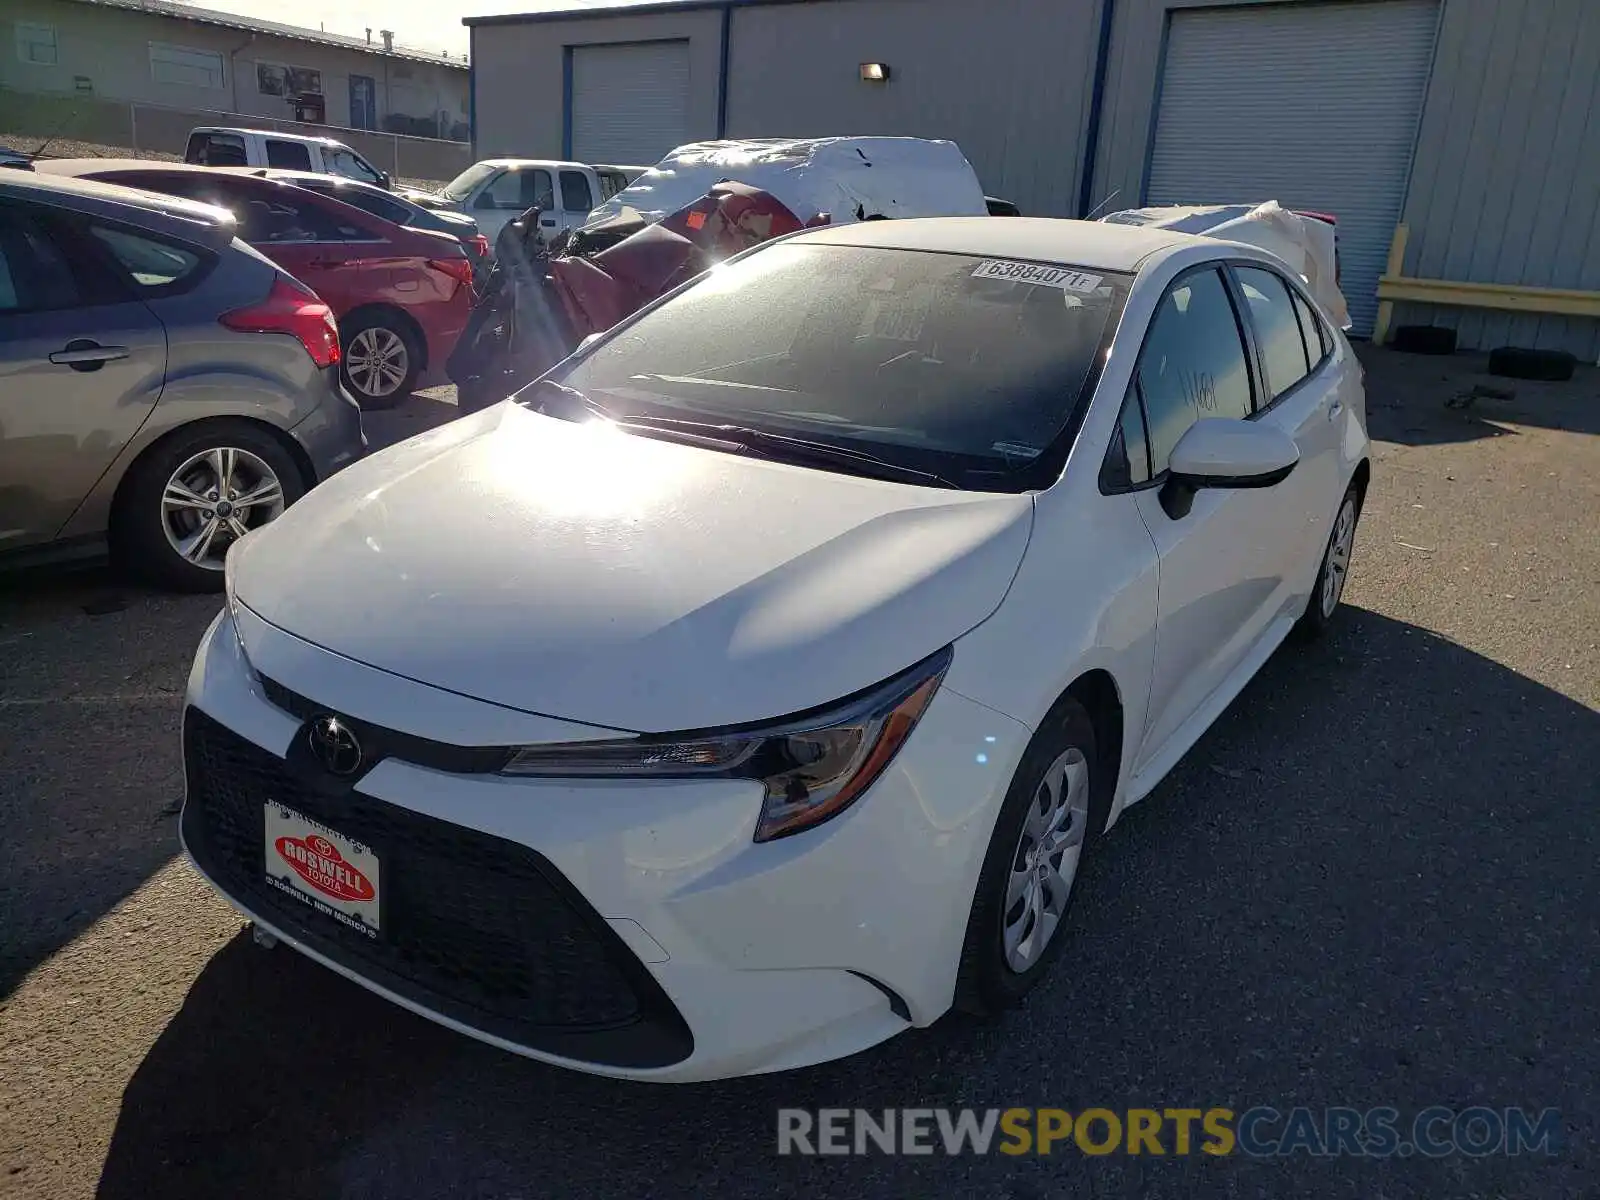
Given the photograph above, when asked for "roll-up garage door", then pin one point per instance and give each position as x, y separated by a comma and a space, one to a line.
1313, 105
629, 102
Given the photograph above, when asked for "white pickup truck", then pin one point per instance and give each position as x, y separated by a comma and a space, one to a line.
220, 146
496, 191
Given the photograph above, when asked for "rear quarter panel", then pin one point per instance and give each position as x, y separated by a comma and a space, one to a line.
214, 372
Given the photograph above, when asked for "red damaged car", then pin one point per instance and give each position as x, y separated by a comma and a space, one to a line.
401, 296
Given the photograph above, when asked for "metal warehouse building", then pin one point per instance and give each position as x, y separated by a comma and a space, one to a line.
1474, 122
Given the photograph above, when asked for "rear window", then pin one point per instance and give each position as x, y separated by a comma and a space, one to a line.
216, 150
968, 367
154, 264
268, 213
288, 156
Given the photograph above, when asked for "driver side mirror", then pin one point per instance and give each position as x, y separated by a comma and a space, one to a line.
386, 180
1225, 452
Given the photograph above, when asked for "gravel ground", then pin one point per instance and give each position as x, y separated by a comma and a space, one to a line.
1371, 883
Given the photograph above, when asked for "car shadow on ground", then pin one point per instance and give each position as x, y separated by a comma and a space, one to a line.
90, 692
1371, 883
1423, 400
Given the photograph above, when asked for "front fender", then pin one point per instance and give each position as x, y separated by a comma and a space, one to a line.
1084, 599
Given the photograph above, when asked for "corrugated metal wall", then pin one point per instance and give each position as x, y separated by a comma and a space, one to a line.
518, 75
1505, 187
1505, 182
1009, 80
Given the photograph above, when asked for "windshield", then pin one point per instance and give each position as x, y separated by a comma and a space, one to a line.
461, 186
968, 368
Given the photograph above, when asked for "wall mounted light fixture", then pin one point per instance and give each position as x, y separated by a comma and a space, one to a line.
875, 72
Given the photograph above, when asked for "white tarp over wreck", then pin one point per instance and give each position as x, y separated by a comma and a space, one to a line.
1305, 243
849, 178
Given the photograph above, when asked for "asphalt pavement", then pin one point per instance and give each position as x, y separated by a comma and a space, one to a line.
1372, 883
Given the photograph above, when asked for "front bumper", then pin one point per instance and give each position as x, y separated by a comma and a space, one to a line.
623, 927
332, 436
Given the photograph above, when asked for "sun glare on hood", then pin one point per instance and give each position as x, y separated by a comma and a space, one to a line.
576, 469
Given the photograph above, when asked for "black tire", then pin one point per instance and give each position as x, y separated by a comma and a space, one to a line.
1553, 366
987, 983
1319, 616
388, 323
1423, 339
139, 542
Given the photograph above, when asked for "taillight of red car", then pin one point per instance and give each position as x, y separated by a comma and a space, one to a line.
292, 308
480, 246
457, 268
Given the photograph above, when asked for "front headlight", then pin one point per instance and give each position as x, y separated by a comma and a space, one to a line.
813, 766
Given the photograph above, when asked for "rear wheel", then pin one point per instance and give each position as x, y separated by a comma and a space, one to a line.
192, 496
381, 359
1329, 588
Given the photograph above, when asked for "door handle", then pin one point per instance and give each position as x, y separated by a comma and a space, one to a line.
1338, 407
84, 355
329, 262
548, 222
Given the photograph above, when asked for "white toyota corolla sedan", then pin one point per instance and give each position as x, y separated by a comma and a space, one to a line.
750, 689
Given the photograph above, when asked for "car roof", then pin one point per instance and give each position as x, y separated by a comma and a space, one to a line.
77, 167
271, 133
286, 175
1048, 239
186, 219
527, 162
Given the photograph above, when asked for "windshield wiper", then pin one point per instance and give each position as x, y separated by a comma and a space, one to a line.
743, 435
574, 397
796, 447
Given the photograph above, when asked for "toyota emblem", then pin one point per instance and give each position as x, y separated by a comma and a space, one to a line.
335, 745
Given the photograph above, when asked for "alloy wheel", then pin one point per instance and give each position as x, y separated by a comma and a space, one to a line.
1046, 859
377, 361
214, 499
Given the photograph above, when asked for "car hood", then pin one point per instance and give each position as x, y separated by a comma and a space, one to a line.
579, 572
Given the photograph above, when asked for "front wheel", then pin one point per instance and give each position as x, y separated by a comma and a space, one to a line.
1025, 890
1329, 587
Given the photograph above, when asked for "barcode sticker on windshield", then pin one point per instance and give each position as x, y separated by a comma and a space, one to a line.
1034, 273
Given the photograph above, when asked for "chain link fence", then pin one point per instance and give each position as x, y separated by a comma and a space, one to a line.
90, 125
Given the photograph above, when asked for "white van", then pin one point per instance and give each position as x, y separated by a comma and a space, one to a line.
219, 146
496, 191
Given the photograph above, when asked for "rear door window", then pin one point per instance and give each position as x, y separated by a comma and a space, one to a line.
34, 275
1277, 328
575, 194
288, 156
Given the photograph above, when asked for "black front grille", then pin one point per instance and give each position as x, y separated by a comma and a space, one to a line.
478, 928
